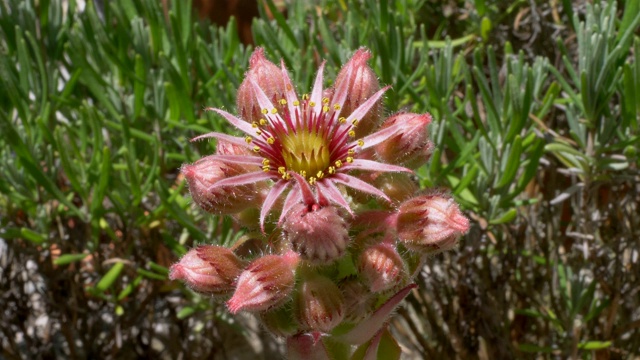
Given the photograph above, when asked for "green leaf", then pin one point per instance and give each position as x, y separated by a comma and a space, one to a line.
110, 277
69, 258
594, 345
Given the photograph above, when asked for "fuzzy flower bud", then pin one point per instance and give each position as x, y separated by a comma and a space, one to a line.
318, 234
208, 270
430, 223
269, 78
266, 283
320, 304
411, 147
397, 186
358, 300
202, 176
361, 85
381, 267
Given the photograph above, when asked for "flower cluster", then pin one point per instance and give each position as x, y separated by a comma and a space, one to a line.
328, 185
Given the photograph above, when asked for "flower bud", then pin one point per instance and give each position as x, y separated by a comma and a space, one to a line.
208, 269
430, 223
358, 300
265, 283
411, 147
318, 234
269, 78
319, 305
397, 186
202, 176
381, 267
279, 321
361, 85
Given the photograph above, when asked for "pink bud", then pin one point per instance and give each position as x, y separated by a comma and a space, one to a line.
202, 176
265, 284
430, 223
269, 78
397, 186
208, 269
411, 147
361, 85
318, 234
381, 267
319, 305
358, 300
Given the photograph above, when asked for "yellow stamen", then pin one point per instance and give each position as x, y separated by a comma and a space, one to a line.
336, 107
332, 170
296, 103
283, 102
360, 142
342, 120
274, 111
248, 139
325, 100
258, 132
352, 133
265, 162
320, 174
256, 149
254, 124
266, 168
312, 103
349, 159
271, 140
286, 176
305, 97
355, 122
263, 122
312, 180
351, 151
282, 170
303, 174
338, 163
265, 111
325, 109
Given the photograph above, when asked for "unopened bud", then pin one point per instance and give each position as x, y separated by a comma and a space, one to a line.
208, 269
202, 176
319, 305
361, 85
279, 321
412, 146
430, 223
269, 78
266, 283
358, 300
397, 186
381, 267
318, 234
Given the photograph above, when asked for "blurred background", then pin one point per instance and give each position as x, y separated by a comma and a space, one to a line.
536, 108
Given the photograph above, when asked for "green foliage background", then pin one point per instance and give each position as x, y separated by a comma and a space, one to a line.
536, 107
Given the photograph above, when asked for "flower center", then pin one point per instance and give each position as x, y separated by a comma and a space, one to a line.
306, 153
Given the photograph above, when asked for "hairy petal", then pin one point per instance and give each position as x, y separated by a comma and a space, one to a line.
358, 184
370, 165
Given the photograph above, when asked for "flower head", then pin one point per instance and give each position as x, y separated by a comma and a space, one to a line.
311, 136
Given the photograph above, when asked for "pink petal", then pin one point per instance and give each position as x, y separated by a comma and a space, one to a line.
342, 90
370, 165
305, 189
364, 108
366, 329
228, 138
265, 103
238, 159
379, 136
290, 92
293, 198
316, 93
333, 194
238, 123
243, 179
358, 184
271, 198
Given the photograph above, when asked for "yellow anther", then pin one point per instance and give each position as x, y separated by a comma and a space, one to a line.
296, 103
271, 140
265, 111
274, 111
256, 149
254, 124
352, 133
312, 103
332, 170
351, 151
342, 120
325, 100
248, 139
355, 122
266, 168
303, 174
320, 174
360, 142
312, 180
338, 163
325, 109
336, 106
286, 176
265, 162
263, 122
305, 97
259, 132
282, 170
349, 159
283, 102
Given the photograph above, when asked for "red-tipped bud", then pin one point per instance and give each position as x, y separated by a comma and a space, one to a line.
381, 267
411, 147
361, 85
265, 284
269, 78
318, 234
319, 305
202, 177
358, 300
430, 223
208, 269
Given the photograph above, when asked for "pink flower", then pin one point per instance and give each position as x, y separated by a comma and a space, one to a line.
311, 136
